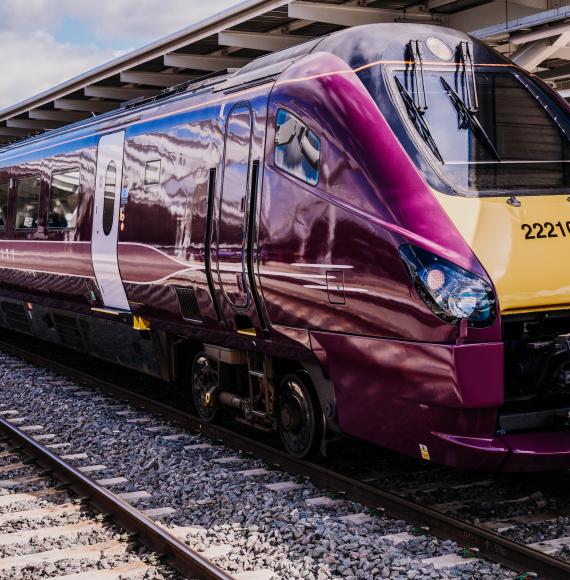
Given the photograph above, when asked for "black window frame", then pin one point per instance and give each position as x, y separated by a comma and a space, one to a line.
4, 226
104, 212
16, 185
49, 208
275, 145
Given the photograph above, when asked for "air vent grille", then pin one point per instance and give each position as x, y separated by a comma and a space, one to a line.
188, 302
16, 317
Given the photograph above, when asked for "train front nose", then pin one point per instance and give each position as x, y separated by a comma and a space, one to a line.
523, 248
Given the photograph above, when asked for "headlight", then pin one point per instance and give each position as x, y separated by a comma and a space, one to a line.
451, 292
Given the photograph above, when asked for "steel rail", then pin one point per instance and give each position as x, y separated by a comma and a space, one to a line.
488, 544
179, 555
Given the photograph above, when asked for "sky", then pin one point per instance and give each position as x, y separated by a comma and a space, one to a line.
45, 42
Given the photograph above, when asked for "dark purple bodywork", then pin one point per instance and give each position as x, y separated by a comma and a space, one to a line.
402, 377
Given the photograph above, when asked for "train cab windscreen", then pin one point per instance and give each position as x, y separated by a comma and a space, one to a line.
488, 132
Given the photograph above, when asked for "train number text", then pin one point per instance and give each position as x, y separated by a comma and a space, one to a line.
537, 231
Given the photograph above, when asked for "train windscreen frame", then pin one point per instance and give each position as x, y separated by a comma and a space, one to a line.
515, 141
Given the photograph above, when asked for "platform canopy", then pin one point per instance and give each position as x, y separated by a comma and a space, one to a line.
535, 33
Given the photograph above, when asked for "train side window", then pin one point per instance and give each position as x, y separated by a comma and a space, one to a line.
297, 148
109, 197
28, 203
64, 199
4, 190
152, 172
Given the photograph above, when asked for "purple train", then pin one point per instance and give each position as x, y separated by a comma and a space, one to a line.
362, 234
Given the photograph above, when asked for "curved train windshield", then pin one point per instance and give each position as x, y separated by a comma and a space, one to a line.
487, 133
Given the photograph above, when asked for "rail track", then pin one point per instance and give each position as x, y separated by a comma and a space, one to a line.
17, 449
402, 488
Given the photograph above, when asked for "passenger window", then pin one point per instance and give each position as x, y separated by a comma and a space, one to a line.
152, 172
64, 197
4, 189
109, 197
28, 203
297, 148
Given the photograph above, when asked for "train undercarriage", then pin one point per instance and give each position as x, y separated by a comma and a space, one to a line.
295, 399
537, 373
262, 391
257, 392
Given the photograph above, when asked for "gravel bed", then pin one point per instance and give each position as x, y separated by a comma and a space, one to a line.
265, 529
408, 475
64, 567
475, 492
44, 482
37, 544
26, 471
56, 499
77, 513
480, 510
410, 483
50, 521
540, 531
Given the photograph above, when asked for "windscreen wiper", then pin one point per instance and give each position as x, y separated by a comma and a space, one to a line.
414, 55
465, 56
417, 117
470, 119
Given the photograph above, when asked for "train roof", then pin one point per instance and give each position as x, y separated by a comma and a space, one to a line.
356, 46
235, 38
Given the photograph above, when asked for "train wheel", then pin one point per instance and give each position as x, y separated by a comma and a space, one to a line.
204, 385
300, 419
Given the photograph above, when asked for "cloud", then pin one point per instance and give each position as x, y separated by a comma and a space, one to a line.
33, 63
145, 19
25, 15
109, 19
46, 42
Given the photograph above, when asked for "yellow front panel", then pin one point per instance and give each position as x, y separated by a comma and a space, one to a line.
528, 274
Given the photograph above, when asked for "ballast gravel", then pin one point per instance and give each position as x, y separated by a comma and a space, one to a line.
540, 531
37, 544
23, 534
68, 567
23, 524
203, 482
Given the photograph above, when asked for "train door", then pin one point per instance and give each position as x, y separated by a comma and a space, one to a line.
108, 180
230, 245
